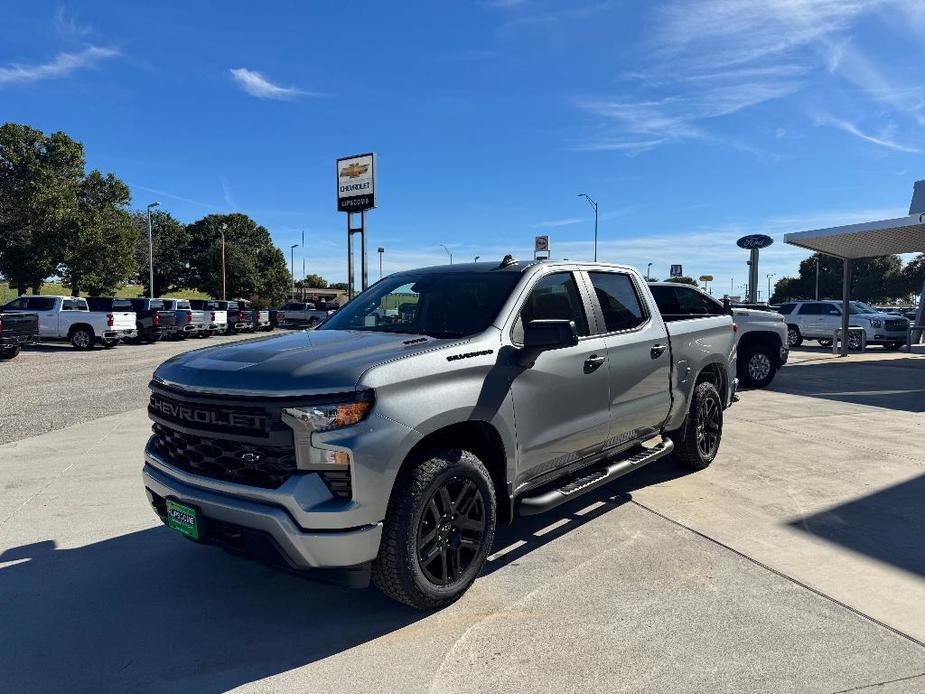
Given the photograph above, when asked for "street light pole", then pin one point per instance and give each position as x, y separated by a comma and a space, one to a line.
381, 251
151, 252
448, 253
817, 278
594, 205
292, 266
221, 230
770, 275
648, 274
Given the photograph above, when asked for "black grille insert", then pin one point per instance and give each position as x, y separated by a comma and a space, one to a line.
896, 324
232, 461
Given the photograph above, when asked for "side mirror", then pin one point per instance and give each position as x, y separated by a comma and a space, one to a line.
544, 335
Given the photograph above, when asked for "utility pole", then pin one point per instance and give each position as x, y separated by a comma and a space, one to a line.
221, 230
448, 253
770, 275
381, 251
292, 266
151, 252
594, 206
817, 278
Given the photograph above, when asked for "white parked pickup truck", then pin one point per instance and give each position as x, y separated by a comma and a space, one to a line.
69, 318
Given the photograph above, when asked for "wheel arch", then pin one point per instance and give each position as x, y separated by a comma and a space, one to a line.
76, 326
479, 438
764, 338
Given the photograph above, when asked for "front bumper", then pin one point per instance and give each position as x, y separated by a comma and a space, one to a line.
302, 549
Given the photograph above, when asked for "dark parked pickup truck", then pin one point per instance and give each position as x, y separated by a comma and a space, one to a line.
152, 320
16, 330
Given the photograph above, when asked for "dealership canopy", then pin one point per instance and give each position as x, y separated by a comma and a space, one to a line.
868, 240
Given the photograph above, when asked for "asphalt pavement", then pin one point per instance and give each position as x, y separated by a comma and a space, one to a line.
52, 385
792, 564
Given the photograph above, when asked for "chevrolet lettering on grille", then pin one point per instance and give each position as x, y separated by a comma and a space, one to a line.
207, 417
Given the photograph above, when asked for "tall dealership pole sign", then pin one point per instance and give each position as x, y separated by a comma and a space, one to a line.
753, 243
356, 194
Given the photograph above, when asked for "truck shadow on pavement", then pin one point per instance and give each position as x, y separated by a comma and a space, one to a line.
894, 384
151, 611
888, 525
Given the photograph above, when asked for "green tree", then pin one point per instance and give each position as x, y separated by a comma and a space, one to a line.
255, 269
40, 177
913, 275
873, 279
315, 282
99, 254
172, 251
342, 286
682, 280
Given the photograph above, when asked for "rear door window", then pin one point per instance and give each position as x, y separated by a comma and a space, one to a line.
810, 309
786, 309
618, 299
696, 303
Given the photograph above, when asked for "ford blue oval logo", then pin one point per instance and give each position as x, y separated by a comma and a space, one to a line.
754, 241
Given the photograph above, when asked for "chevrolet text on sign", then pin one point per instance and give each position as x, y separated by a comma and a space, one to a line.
356, 183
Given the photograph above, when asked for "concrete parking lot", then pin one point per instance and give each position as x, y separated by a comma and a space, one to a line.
795, 563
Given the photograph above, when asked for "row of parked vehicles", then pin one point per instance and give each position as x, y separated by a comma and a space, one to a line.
105, 320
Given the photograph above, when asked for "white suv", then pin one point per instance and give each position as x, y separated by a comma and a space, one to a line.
818, 320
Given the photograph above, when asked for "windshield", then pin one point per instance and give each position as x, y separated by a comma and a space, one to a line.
454, 304
859, 307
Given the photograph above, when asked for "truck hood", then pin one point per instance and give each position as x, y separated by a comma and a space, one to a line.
302, 363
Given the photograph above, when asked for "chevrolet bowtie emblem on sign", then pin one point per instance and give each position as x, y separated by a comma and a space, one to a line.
251, 457
354, 170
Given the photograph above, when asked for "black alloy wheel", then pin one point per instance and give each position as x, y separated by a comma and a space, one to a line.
709, 425
451, 531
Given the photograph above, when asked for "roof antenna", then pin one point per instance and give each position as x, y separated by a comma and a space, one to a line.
508, 260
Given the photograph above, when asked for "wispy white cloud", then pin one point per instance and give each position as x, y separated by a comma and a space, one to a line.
228, 195
553, 223
883, 139
256, 84
61, 65
165, 194
66, 24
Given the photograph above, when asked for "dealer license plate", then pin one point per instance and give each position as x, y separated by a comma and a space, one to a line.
183, 519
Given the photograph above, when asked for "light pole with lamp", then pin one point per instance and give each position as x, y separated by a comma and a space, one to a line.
648, 275
292, 266
448, 253
770, 275
151, 252
476, 259
221, 230
381, 251
817, 278
593, 205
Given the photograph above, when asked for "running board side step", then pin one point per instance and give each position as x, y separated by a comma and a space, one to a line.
533, 505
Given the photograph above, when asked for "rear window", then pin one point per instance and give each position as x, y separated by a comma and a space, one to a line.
121, 305
156, 304
183, 304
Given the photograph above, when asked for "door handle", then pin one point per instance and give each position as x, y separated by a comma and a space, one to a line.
594, 362
657, 350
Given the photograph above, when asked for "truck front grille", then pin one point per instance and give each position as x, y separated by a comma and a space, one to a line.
232, 461
896, 324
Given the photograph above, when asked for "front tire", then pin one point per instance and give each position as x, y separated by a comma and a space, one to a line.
437, 532
82, 338
10, 352
757, 367
697, 443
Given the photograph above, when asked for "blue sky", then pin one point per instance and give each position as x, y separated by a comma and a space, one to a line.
691, 123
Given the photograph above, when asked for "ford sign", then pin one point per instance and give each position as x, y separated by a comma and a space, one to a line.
754, 241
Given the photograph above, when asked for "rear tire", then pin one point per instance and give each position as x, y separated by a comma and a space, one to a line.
697, 442
437, 532
757, 367
10, 352
82, 338
794, 337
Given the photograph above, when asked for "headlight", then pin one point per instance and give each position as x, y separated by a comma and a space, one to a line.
333, 416
876, 323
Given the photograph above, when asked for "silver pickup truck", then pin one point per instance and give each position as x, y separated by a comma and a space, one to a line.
388, 442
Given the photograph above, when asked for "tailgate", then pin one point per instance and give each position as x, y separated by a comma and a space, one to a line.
220, 317
123, 320
17, 324
168, 319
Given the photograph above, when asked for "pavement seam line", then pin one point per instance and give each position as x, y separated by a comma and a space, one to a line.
879, 684
793, 580
62, 472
